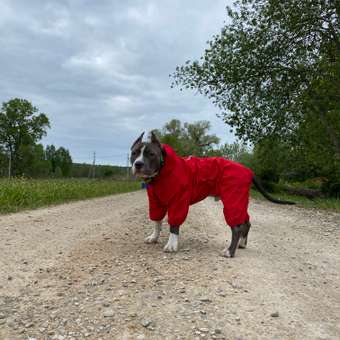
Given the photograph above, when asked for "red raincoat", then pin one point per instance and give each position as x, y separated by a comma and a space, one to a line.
185, 181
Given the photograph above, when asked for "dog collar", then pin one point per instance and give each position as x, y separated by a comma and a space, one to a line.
149, 179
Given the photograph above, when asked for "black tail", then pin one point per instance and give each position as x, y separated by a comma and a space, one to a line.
261, 189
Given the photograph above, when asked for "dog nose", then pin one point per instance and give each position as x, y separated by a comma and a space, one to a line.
139, 164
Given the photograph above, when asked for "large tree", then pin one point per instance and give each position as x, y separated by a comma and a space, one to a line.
274, 70
21, 127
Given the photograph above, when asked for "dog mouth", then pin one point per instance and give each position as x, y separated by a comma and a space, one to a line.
145, 175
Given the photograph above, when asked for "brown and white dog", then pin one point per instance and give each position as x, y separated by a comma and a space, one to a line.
176, 182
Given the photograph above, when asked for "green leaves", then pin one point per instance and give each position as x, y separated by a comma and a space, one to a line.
21, 127
189, 138
60, 159
258, 69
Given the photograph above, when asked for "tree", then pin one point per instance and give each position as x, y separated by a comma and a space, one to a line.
21, 126
33, 162
234, 151
64, 161
60, 160
272, 68
189, 138
50, 154
274, 71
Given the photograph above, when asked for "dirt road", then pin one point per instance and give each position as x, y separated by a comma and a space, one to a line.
82, 271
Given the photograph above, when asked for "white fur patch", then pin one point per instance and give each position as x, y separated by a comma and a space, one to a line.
153, 238
140, 158
172, 245
226, 252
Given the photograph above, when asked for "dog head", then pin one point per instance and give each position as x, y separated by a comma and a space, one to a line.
146, 157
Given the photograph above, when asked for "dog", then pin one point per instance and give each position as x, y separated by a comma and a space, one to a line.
174, 183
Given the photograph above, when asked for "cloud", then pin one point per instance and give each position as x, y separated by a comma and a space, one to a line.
100, 69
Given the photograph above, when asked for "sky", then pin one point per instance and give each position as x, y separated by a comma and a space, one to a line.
100, 69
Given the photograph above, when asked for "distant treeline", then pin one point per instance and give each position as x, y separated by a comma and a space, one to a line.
21, 155
98, 171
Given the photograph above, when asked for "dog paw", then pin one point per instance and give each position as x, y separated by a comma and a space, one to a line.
172, 245
226, 253
151, 239
170, 248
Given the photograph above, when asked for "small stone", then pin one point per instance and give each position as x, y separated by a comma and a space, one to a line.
205, 299
204, 330
109, 313
220, 292
146, 323
275, 315
11, 323
217, 331
2, 316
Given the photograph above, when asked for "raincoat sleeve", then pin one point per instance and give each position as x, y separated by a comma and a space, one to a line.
157, 210
179, 208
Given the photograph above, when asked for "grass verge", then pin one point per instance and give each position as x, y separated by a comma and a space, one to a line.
20, 194
316, 203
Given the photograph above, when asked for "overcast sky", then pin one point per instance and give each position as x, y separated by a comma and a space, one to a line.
100, 69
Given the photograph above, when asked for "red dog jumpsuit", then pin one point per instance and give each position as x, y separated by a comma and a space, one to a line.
185, 181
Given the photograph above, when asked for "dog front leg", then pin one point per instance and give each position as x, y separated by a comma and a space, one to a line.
172, 245
153, 238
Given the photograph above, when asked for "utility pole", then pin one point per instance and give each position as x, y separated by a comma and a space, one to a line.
128, 167
94, 165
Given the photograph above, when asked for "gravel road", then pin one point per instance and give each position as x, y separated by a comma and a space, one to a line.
82, 271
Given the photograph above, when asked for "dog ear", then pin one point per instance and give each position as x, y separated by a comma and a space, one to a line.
154, 139
138, 140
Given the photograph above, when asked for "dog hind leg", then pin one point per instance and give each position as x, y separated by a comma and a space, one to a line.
244, 235
239, 233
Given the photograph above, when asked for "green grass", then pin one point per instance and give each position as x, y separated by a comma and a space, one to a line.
20, 194
317, 203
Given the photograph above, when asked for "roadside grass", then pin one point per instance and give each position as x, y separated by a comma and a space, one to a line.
315, 203
21, 194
